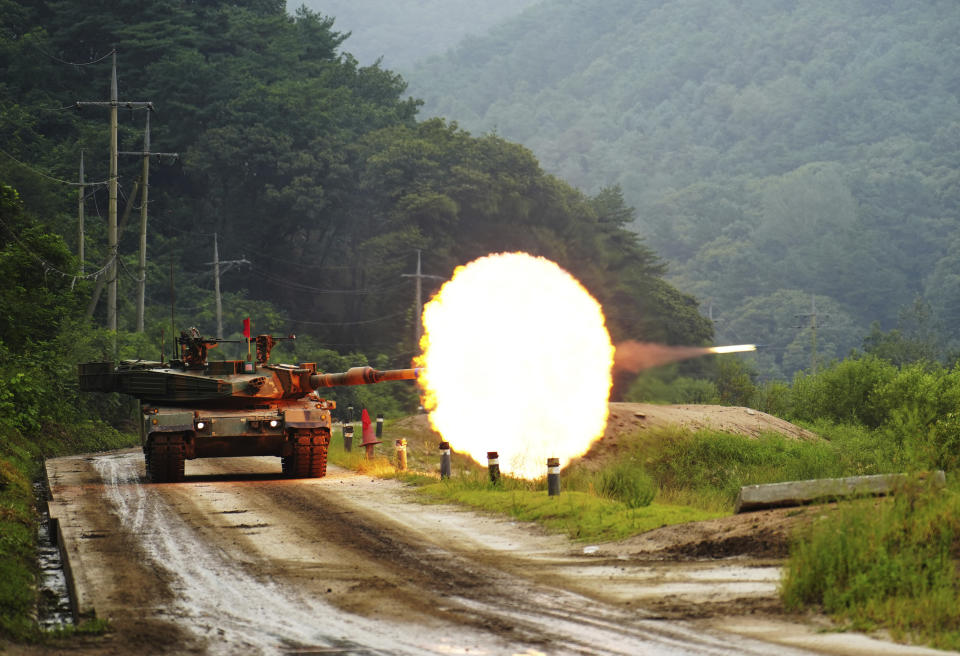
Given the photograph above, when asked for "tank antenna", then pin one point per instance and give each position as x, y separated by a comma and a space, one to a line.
173, 323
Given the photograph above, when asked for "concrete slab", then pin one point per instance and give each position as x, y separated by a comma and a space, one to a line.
798, 493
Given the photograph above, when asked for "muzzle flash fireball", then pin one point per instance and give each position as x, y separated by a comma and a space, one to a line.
516, 359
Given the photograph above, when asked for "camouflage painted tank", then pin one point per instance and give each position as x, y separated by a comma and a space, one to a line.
194, 408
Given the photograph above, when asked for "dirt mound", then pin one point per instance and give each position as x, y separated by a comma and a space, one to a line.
628, 418
763, 534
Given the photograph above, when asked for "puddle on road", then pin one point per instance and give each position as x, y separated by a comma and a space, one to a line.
53, 599
695, 581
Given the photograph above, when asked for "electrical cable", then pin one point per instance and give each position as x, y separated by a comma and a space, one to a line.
63, 61
50, 177
283, 282
336, 267
48, 267
344, 323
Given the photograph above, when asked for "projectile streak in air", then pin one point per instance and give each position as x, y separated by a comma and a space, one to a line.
739, 348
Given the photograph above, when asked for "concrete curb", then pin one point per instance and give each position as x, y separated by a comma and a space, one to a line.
65, 532
798, 493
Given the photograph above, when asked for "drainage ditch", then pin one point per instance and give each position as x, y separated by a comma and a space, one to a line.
53, 598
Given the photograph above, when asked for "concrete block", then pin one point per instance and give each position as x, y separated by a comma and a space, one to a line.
797, 493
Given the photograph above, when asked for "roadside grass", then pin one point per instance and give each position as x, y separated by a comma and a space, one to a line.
884, 563
18, 568
659, 477
583, 516
21, 459
707, 468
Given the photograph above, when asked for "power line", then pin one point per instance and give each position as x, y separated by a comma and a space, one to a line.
192, 233
306, 265
49, 267
267, 275
50, 177
345, 323
63, 61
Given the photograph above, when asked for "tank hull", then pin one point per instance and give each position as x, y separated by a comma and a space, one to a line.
297, 432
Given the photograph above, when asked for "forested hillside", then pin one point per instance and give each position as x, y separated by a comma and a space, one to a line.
312, 169
403, 32
786, 158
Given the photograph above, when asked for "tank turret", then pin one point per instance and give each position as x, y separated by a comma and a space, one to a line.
192, 407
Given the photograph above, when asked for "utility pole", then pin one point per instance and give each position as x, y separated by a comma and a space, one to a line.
216, 281
142, 269
419, 297
95, 297
113, 104
80, 198
145, 182
216, 287
813, 332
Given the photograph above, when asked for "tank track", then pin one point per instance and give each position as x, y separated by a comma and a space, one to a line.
164, 457
309, 456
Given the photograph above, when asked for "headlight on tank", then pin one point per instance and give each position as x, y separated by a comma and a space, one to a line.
274, 423
200, 425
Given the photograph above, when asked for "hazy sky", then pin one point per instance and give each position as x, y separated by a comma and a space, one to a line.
404, 31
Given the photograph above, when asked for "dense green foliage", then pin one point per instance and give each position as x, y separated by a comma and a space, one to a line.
404, 32
311, 167
786, 158
891, 564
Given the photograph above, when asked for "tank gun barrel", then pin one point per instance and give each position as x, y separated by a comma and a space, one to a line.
361, 376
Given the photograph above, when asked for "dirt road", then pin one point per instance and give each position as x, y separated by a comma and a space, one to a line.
239, 560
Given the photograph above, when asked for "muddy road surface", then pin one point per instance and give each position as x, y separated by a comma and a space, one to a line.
237, 560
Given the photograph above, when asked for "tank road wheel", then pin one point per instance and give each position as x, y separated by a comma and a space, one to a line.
309, 457
165, 456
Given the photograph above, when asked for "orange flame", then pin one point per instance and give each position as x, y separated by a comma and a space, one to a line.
516, 359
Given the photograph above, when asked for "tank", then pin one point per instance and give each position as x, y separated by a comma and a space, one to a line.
192, 407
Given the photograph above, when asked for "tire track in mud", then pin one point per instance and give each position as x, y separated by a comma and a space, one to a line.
478, 593
228, 609
459, 601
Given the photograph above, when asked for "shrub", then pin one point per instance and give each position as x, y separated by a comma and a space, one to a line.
627, 482
843, 392
774, 398
734, 384
923, 391
654, 388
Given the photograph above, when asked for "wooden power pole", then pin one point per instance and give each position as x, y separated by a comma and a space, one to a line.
80, 198
144, 195
111, 273
216, 281
418, 323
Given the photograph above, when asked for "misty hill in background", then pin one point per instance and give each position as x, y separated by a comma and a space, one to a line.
787, 158
405, 31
